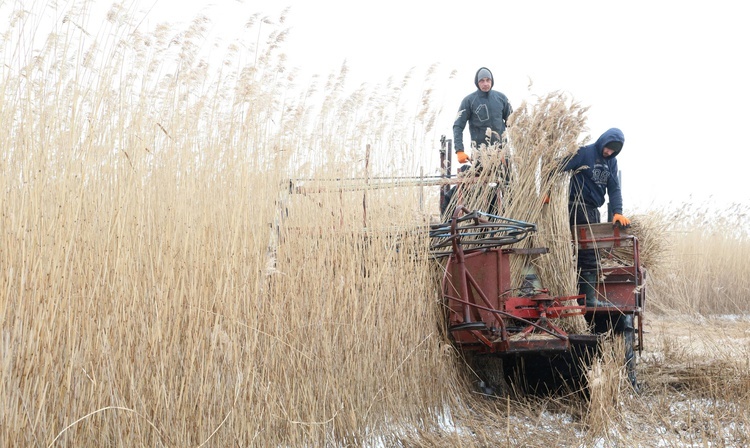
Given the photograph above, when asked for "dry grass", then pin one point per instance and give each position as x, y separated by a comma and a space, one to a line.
708, 271
607, 385
695, 256
161, 285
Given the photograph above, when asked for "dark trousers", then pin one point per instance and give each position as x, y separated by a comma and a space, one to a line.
582, 214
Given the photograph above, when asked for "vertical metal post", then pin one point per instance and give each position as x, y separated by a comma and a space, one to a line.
460, 263
446, 157
610, 212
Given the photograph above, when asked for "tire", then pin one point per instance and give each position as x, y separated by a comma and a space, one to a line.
491, 375
624, 328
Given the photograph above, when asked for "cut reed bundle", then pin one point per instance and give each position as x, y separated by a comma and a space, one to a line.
653, 235
541, 137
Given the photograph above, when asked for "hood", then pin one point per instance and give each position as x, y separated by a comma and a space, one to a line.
611, 135
476, 77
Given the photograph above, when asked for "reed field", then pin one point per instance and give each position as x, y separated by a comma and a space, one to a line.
216, 252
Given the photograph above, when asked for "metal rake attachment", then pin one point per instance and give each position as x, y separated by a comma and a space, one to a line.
475, 230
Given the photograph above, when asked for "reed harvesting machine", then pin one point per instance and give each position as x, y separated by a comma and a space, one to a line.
515, 335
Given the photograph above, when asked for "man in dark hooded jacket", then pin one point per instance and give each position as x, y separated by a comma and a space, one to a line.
485, 110
596, 175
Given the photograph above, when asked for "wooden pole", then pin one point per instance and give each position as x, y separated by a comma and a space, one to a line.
367, 183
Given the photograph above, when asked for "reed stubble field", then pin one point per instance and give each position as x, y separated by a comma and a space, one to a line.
164, 284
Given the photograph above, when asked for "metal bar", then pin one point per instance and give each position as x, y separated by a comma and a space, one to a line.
503, 313
339, 179
412, 182
461, 266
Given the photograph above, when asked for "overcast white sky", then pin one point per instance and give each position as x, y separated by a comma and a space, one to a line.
672, 75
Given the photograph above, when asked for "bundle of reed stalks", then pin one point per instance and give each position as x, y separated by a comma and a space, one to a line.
652, 232
541, 137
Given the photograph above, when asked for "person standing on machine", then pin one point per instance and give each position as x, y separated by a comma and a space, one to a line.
596, 176
486, 111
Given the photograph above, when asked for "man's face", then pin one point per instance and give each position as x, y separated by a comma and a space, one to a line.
485, 84
607, 153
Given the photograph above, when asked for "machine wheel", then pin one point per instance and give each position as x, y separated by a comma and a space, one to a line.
624, 328
491, 374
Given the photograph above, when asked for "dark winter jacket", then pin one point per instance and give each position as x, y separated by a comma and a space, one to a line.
481, 110
598, 175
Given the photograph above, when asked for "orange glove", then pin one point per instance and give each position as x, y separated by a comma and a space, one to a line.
462, 157
545, 199
620, 220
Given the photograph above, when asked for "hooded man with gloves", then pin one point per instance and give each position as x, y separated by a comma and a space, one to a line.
485, 110
595, 175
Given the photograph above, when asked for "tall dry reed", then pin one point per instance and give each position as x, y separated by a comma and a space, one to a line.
705, 260
160, 283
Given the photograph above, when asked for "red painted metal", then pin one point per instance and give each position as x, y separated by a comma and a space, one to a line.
486, 315
622, 283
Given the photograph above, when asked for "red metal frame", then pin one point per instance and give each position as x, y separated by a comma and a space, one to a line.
623, 285
485, 316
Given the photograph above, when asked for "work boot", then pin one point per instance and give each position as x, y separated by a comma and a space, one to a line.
587, 287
